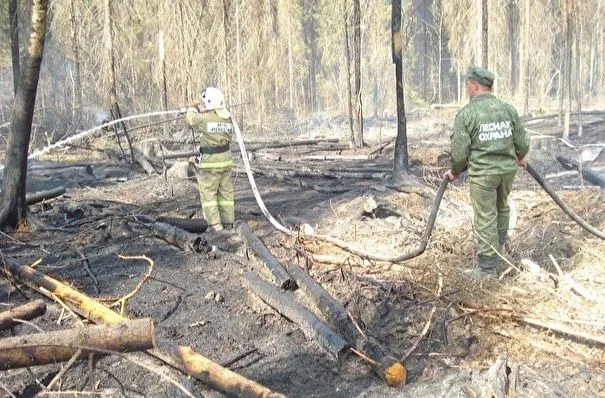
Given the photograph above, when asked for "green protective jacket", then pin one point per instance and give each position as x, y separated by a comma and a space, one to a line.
215, 131
488, 136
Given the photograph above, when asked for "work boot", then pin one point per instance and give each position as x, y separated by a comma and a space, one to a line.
487, 268
216, 227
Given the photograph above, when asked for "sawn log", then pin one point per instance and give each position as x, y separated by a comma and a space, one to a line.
193, 225
311, 326
59, 346
180, 238
282, 278
387, 366
27, 312
182, 357
36, 197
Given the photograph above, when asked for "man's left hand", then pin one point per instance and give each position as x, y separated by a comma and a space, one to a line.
450, 175
522, 163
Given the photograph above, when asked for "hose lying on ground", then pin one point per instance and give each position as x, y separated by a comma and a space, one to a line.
335, 241
427, 231
562, 204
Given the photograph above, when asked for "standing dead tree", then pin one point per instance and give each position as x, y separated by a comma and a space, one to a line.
400, 163
13, 206
13, 7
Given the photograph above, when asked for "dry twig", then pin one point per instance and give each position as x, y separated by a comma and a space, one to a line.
122, 301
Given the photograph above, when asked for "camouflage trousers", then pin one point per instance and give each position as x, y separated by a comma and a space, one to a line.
489, 197
216, 194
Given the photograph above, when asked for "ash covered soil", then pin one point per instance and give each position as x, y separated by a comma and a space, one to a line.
457, 326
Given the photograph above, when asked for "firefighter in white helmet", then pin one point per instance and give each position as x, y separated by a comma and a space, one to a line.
212, 121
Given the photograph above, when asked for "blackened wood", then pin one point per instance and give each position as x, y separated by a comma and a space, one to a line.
587, 173
39, 196
400, 161
13, 207
387, 365
572, 214
13, 16
264, 256
26, 312
180, 238
194, 225
311, 326
59, 346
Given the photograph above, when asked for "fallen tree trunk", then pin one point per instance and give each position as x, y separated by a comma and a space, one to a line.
180, 238
183, 359
386, 366
143, 161
255, 146
36, 197
311, 326
27, 312
59, 346
588, 174
193, 225
301, 183
282, 278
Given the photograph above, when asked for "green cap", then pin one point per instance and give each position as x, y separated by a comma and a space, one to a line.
481, 76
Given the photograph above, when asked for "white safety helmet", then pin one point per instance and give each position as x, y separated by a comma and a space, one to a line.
212, 98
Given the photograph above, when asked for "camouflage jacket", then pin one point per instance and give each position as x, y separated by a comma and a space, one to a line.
488, 136
214, 131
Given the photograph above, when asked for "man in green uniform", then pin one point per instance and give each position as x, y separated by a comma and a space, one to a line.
213, 123
491, 141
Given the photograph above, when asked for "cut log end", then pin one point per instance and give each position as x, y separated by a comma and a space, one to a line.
395, 374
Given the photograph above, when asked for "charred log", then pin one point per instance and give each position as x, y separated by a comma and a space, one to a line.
264, 256
44, 195
311, 326
180, 238
386, 365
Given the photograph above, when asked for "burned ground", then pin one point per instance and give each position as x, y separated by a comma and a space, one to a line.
198, 299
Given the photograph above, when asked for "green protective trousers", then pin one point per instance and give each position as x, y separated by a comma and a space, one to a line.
489, 197
216, 194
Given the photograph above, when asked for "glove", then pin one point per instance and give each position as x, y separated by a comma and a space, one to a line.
183, 111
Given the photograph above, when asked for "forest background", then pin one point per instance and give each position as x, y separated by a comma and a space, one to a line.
292, 59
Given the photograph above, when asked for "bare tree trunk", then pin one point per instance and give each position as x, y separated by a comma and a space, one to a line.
13, 207
526, 59
114, 108
77, 106
484, 35
358, 113
400, 161
290, 67
567, 72
185, 52
348, 74
479, 33
440, 67
226, 39
13, 16
579, 81
162, 54
313, 59
238, 51
513, 39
